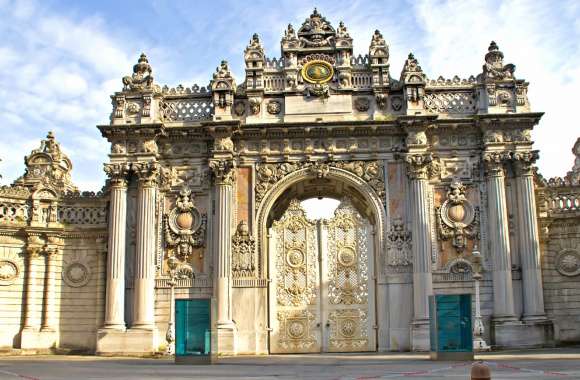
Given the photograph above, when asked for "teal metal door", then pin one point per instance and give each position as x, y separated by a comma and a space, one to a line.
192, 327
451, 323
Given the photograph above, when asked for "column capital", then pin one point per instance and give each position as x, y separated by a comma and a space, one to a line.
524, 162
494, 163
223, 170
147, 173
34, 246
117, 173
421, 166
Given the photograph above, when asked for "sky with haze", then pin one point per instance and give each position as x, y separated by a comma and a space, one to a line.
60, 61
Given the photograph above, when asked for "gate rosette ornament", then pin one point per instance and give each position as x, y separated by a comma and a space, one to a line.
184, 227
457, 218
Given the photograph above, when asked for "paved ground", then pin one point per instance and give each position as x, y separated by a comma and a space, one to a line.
529, 364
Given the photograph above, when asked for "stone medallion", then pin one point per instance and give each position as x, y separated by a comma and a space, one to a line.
76, 274
568, 262
9, 272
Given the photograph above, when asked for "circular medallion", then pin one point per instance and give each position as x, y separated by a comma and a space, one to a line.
295, 258
568, 262
9, 272
76, 275
347, 328
296, 329
346, 256
317, 72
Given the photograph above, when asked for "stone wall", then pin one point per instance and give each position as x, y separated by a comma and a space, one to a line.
61, 307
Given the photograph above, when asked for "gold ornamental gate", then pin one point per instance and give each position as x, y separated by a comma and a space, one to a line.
322, 288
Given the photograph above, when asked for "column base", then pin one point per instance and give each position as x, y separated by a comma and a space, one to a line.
522, 334
224, 340
132, 342
420, 338
32, 339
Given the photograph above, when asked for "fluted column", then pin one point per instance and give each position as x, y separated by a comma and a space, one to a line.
115, 291
30, 308
418, 166
144, 281
224, 177
529, 242
49, 312
503, 298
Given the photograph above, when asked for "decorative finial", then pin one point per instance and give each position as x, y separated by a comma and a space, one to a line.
50, 135
315, 13
493, 46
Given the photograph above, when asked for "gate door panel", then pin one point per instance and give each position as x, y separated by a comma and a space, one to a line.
347, 282
294, 291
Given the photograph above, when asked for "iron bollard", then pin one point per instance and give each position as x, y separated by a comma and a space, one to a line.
480, 371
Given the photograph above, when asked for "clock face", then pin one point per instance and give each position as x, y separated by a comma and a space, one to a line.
317, 72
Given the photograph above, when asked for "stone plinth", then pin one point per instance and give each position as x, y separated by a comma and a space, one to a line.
111, 342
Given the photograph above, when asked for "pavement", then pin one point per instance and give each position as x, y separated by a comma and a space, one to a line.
555, 363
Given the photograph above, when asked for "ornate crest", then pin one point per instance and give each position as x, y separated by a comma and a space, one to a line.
316, 31
457, 218
184, 227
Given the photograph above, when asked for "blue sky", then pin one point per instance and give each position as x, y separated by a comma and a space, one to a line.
60, 61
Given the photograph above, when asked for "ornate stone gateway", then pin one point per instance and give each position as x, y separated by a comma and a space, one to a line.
322, 293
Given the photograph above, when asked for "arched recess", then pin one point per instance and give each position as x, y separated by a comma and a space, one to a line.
333, 183
365, 199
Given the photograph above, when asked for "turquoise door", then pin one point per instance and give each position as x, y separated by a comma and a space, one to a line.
192, 327
451, 323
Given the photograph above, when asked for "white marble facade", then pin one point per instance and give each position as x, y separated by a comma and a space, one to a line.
203, 194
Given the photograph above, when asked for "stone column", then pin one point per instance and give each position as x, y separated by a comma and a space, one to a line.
529, 242
418, 166
224, 180
48, 312
144, 282
115, 292
503, 297
224, 177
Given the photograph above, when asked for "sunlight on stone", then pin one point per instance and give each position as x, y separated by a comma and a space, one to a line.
320, 208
